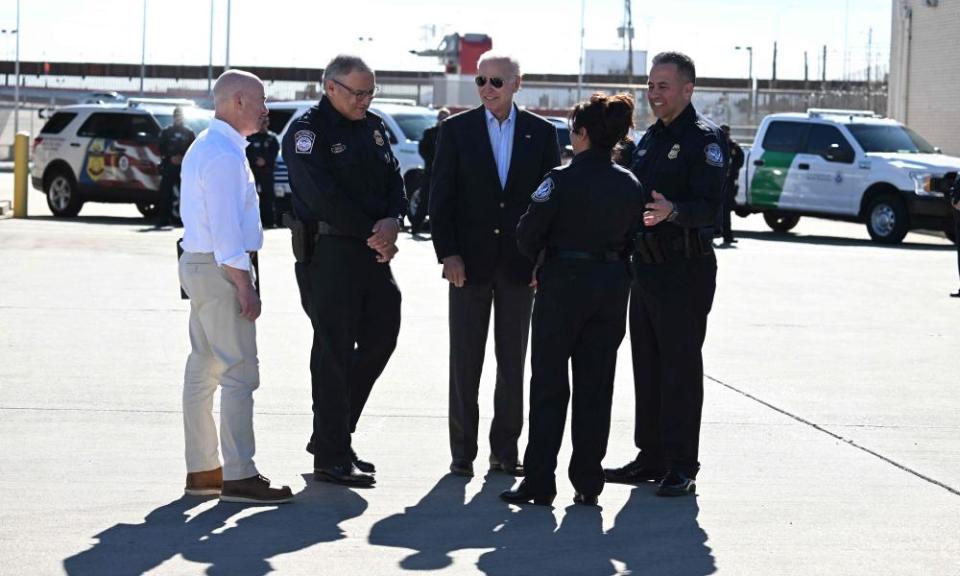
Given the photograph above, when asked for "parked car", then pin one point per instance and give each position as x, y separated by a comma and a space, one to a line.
846, 165
106, 153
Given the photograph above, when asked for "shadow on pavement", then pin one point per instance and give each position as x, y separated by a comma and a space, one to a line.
240, 548
839, 241
650, 535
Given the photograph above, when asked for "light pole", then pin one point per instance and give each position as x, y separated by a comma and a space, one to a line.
16, 73
226, 63
749, 50
210, 62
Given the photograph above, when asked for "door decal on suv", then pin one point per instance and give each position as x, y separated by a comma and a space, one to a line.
121, 164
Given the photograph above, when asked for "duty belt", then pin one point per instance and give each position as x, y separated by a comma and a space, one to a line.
607, 256
655, 248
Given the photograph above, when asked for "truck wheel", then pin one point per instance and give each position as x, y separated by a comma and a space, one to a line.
887, 220
148, 209
62, 198
780, 222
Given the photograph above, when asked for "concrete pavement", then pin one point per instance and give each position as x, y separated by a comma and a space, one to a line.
830, 441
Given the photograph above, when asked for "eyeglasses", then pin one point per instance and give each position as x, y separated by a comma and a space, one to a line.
481, 81
358, 94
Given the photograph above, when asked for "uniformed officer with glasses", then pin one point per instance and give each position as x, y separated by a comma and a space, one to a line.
348, 199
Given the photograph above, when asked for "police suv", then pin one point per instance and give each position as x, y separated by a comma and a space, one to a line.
846, 165
106, 153
405, 123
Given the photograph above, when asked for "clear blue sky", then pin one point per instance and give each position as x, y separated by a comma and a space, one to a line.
544, 34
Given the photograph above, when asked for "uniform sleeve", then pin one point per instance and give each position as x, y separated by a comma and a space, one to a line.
443, 194
705, 181
312, 183
535, 224
273, 148
397, 205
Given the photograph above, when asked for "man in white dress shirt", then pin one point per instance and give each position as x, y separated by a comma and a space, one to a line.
221, 228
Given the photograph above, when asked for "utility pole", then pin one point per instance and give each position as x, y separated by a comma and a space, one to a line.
583, 12
823, 69
628, 38
869, 63
773, 78
143, 48
806, 71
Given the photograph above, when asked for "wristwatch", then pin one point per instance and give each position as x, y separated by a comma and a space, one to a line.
673, 214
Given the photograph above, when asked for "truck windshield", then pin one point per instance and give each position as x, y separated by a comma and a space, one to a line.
887, 138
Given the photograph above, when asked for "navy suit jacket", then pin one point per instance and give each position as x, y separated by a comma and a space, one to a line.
471, 215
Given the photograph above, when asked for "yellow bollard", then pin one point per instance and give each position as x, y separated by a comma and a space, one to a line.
21, 159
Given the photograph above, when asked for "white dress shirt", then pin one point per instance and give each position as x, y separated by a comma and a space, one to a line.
219, 206
501, 140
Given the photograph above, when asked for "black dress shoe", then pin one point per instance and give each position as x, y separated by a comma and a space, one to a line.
522, 495
633, 473
579, 498
462, 468
514, 469
362, 465
677, 484
955, 294
345, 475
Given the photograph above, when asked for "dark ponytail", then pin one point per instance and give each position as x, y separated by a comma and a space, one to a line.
607, 119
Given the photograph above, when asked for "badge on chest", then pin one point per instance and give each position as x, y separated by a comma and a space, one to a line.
674, 152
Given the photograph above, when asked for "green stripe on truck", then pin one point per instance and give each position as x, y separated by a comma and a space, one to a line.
767, 183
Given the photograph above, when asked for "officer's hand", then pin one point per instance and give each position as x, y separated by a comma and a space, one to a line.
176, 160
533, 277
261, 162
249, 303
658, 210
387, 255
956, 205
384, 234
454, 270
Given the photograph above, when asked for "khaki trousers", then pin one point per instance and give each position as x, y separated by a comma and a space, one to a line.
223, 352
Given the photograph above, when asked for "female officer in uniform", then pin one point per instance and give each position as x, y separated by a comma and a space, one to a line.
578, 228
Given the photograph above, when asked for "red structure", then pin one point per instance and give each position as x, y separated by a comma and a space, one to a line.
459, 53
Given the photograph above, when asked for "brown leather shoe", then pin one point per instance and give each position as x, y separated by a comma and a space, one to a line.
254, 490
207, 483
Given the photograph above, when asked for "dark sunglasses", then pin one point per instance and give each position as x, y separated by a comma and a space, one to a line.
494, 81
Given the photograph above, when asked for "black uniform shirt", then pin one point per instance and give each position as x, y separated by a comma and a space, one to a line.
263, 145
590, 205
342, 171
174, 141
685, 161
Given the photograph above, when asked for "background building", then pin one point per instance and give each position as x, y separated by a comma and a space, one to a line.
925, 70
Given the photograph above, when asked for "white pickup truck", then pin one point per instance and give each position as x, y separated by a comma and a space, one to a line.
846, 165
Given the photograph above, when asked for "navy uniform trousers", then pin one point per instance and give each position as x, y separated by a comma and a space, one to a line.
354, 305
669, 304
579, 314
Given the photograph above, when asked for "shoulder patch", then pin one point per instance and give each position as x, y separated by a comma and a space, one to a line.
542, 194
304, 140
714, 155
